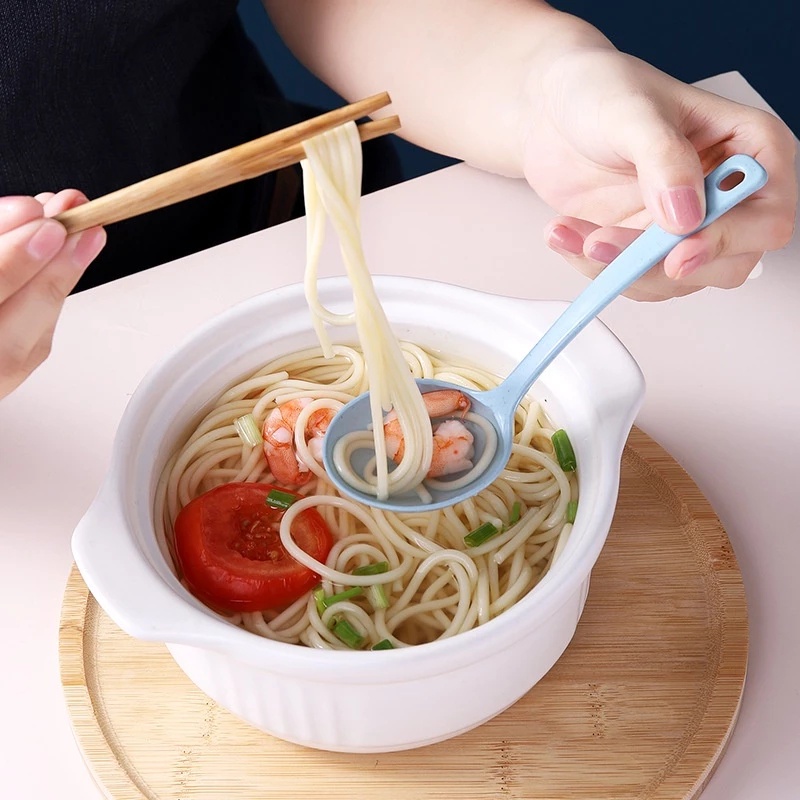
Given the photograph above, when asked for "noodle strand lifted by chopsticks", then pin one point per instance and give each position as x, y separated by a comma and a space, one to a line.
332, 185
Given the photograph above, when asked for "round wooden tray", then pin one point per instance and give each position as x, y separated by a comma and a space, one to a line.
639, 707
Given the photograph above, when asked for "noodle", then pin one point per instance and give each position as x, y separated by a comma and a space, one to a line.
435, 585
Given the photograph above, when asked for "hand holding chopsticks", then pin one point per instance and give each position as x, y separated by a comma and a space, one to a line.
248, 160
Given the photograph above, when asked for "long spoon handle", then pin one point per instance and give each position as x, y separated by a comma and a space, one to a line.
632, 263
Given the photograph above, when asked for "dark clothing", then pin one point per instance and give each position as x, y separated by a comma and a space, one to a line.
98, 94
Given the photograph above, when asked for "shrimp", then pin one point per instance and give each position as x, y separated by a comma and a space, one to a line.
284, 463
452, 441
452, 449
316, 428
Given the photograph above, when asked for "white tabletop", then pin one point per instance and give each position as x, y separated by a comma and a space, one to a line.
723, 387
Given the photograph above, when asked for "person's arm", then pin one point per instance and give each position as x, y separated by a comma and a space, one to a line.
610, 142
457, 71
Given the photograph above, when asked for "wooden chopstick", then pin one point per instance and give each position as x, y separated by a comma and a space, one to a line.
248, 160
367, 130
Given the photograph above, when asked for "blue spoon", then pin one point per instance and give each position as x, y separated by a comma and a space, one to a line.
498, 405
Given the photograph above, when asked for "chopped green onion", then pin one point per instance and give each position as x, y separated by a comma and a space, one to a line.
372, 569
383, 644
248, 431
564, 452
480, 535
348, 634
347, 594
572, 510
278, 499
516, 513
378, 596
319, 599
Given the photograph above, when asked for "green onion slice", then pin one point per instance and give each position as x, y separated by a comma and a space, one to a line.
347, 594
516, 513
572, 510
248, 431
564, 452
372, 569
348, 634
481, 534
278, 499
319, 599
377, 595
383, 644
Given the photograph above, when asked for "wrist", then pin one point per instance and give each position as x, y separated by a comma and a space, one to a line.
564, 42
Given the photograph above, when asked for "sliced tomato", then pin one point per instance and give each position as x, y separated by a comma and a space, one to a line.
230, 550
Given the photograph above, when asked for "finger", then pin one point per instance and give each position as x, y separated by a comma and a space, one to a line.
653, 287
28, 248
723, 273
761, 225
43, 197
25, 250
566, 235
85, 242
668, 167
726, 273
67, 198
58, 278
16, 211
605, 244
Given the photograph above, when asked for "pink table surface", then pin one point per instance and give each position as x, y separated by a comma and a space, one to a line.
723, 373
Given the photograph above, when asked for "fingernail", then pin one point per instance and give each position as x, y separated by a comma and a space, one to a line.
682, 207
690, 266
756, 271
603, 252
47, 241
566, 239
88, 246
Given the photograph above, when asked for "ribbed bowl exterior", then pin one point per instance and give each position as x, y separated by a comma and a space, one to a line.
382, 717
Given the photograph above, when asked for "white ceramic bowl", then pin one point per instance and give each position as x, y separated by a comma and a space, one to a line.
358, 701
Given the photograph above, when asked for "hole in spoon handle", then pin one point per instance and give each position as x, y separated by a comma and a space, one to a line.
719, 200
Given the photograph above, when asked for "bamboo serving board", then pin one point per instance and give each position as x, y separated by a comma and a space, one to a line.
639, 707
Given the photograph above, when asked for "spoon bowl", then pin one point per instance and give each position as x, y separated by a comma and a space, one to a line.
355, 416
497, 406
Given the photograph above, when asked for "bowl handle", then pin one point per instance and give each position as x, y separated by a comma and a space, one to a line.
621, 398
607, 368
129, 587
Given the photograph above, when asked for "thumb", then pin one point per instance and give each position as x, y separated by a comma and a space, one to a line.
669, 171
